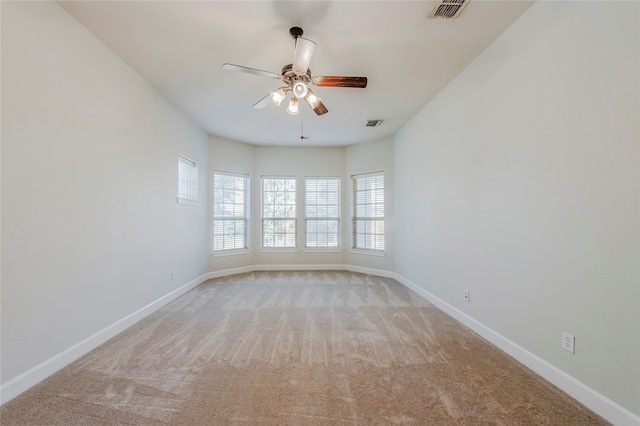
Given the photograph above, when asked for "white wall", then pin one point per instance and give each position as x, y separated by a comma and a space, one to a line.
520, 183
301, 162
369, 157
91, 231
230, 156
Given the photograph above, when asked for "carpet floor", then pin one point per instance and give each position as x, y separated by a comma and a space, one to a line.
296, 348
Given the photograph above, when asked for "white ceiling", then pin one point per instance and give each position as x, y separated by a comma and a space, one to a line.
180, 46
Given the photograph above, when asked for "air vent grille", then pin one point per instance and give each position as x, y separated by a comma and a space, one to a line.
373, 123
448, 9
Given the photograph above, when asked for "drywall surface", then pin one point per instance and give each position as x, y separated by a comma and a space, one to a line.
372, 157
520, 183
91, 230
298, 162
232, 157
301, 162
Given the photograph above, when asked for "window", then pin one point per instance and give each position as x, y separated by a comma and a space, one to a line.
187, 181
278, 212
230, 211
368, 211
322, 213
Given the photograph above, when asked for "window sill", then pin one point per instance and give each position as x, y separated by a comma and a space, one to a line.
323, 250
278, 250
187, 202
223, 253
369, 252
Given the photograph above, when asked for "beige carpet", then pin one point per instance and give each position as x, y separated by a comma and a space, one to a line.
296, 348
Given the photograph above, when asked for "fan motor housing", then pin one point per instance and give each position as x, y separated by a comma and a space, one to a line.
288, 75
295, 32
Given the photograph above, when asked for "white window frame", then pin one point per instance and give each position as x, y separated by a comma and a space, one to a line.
274, 224
368, 211
236, 211
322, 208
187, 181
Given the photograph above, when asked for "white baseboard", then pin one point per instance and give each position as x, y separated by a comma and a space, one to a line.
369, 271
312, 267
603, 406
35, 375
600, 404
227, 272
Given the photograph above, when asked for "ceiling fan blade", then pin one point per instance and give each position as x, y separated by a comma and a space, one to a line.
302, 55
320, 109
263, 102
232, 67
336, 81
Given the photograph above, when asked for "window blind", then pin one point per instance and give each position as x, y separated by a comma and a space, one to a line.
322, 213
187, 179
279, 212
230, 211
368, 212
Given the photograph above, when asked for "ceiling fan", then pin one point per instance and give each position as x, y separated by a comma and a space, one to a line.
297, 77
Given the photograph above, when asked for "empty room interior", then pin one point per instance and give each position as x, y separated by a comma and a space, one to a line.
414, 182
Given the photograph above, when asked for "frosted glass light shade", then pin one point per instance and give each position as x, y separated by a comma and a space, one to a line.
293, 106
278, 95
300, 89
312, 99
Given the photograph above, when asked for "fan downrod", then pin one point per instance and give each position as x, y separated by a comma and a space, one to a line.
295, 32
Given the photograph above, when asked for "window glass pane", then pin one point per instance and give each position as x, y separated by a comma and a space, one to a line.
230, 211
278, 212
322, 212
187, 179
368, 212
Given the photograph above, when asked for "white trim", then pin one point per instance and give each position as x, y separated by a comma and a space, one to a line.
279, 249
368, 252
35, 375
187, 160
597, 402
366, 175
192, 168
307, 267
187, 202
246, 180
370, 271
233, 174
227, 272
312, 267
323, 250
234, 252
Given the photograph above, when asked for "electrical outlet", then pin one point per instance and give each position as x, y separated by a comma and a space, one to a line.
173, 276
467, 296
568, 342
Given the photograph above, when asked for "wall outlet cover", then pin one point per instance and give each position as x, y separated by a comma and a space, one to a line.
568, 342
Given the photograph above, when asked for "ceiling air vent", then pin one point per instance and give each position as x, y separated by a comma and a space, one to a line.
373, 123
448, 9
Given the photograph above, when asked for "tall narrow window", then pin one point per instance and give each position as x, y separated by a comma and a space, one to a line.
278, 212
187, 180
368, 211
230, 211
322, 213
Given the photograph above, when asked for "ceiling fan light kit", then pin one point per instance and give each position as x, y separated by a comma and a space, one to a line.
278, 95
293, 106
300, 89
312, 99
297, 76
303, 54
